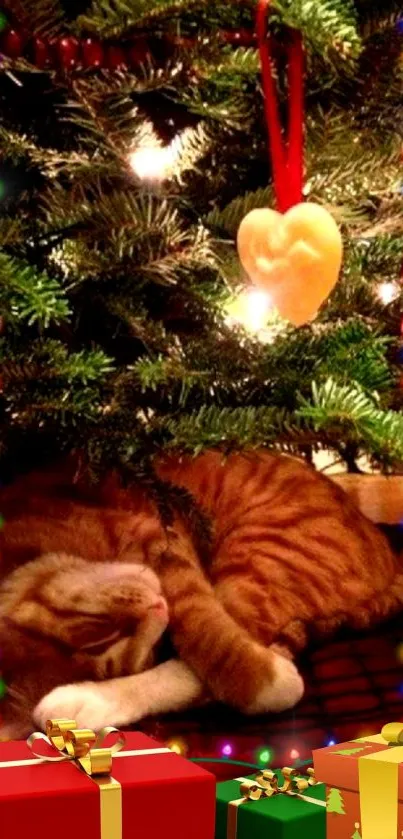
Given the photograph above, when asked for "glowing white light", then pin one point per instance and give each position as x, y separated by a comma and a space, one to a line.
258, 305
387, 292
152, 164
251, 309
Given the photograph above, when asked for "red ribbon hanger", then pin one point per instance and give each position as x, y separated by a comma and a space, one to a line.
286, 155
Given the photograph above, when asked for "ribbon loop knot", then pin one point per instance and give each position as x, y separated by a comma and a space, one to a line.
393, 733
266, 784
80, 745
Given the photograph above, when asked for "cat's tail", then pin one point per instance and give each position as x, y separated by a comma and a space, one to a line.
236, 669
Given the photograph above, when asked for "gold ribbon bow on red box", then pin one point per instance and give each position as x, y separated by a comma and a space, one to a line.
86, 750
81, 745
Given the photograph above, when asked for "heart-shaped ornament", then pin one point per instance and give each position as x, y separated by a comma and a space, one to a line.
295, 257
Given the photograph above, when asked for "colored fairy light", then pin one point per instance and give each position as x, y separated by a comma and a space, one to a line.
264, 755
177, 745
294, 754
3, 688
331, 743
227, 750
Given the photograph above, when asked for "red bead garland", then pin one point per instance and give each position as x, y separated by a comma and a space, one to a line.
138, 52
12, 43
92, 53
40, 53
116, 58
67, 52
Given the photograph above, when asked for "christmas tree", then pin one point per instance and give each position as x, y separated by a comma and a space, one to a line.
356, 835
133, 143
335, 803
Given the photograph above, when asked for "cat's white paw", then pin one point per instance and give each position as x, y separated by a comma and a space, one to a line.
283, 692
86, 703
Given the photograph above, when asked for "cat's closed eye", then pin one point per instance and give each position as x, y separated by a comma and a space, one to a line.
84, 621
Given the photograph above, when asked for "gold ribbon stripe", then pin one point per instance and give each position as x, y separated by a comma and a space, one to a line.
379, 793
7, 764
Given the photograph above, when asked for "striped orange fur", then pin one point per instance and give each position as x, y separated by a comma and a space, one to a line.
291, 558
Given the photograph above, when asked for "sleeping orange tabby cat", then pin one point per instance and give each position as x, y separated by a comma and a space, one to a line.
87, 576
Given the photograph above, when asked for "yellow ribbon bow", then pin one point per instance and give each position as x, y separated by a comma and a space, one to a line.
266, 784
81, 745
393, 733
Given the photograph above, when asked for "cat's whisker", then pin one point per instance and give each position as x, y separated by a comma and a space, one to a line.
15, 695
101, 642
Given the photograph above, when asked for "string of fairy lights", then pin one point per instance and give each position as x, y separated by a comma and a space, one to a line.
227, 752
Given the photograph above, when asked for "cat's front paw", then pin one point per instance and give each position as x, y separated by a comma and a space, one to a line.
282, 692
87, 703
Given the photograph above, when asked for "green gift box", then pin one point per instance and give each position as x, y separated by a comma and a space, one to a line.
283, 815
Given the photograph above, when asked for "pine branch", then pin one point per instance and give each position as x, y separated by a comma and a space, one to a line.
50, 387
376, 15
124, 228
350, 351
229, 219
368, 262
368, 168
115, 18
44, 18
49, 359
12, 231
20, 149
29, 296
328, 26
187, 150
228, 428
355, 416
164, 374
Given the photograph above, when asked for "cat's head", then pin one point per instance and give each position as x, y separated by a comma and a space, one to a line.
64, 620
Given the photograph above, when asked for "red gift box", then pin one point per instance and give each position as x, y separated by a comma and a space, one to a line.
364, 780
162, 795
